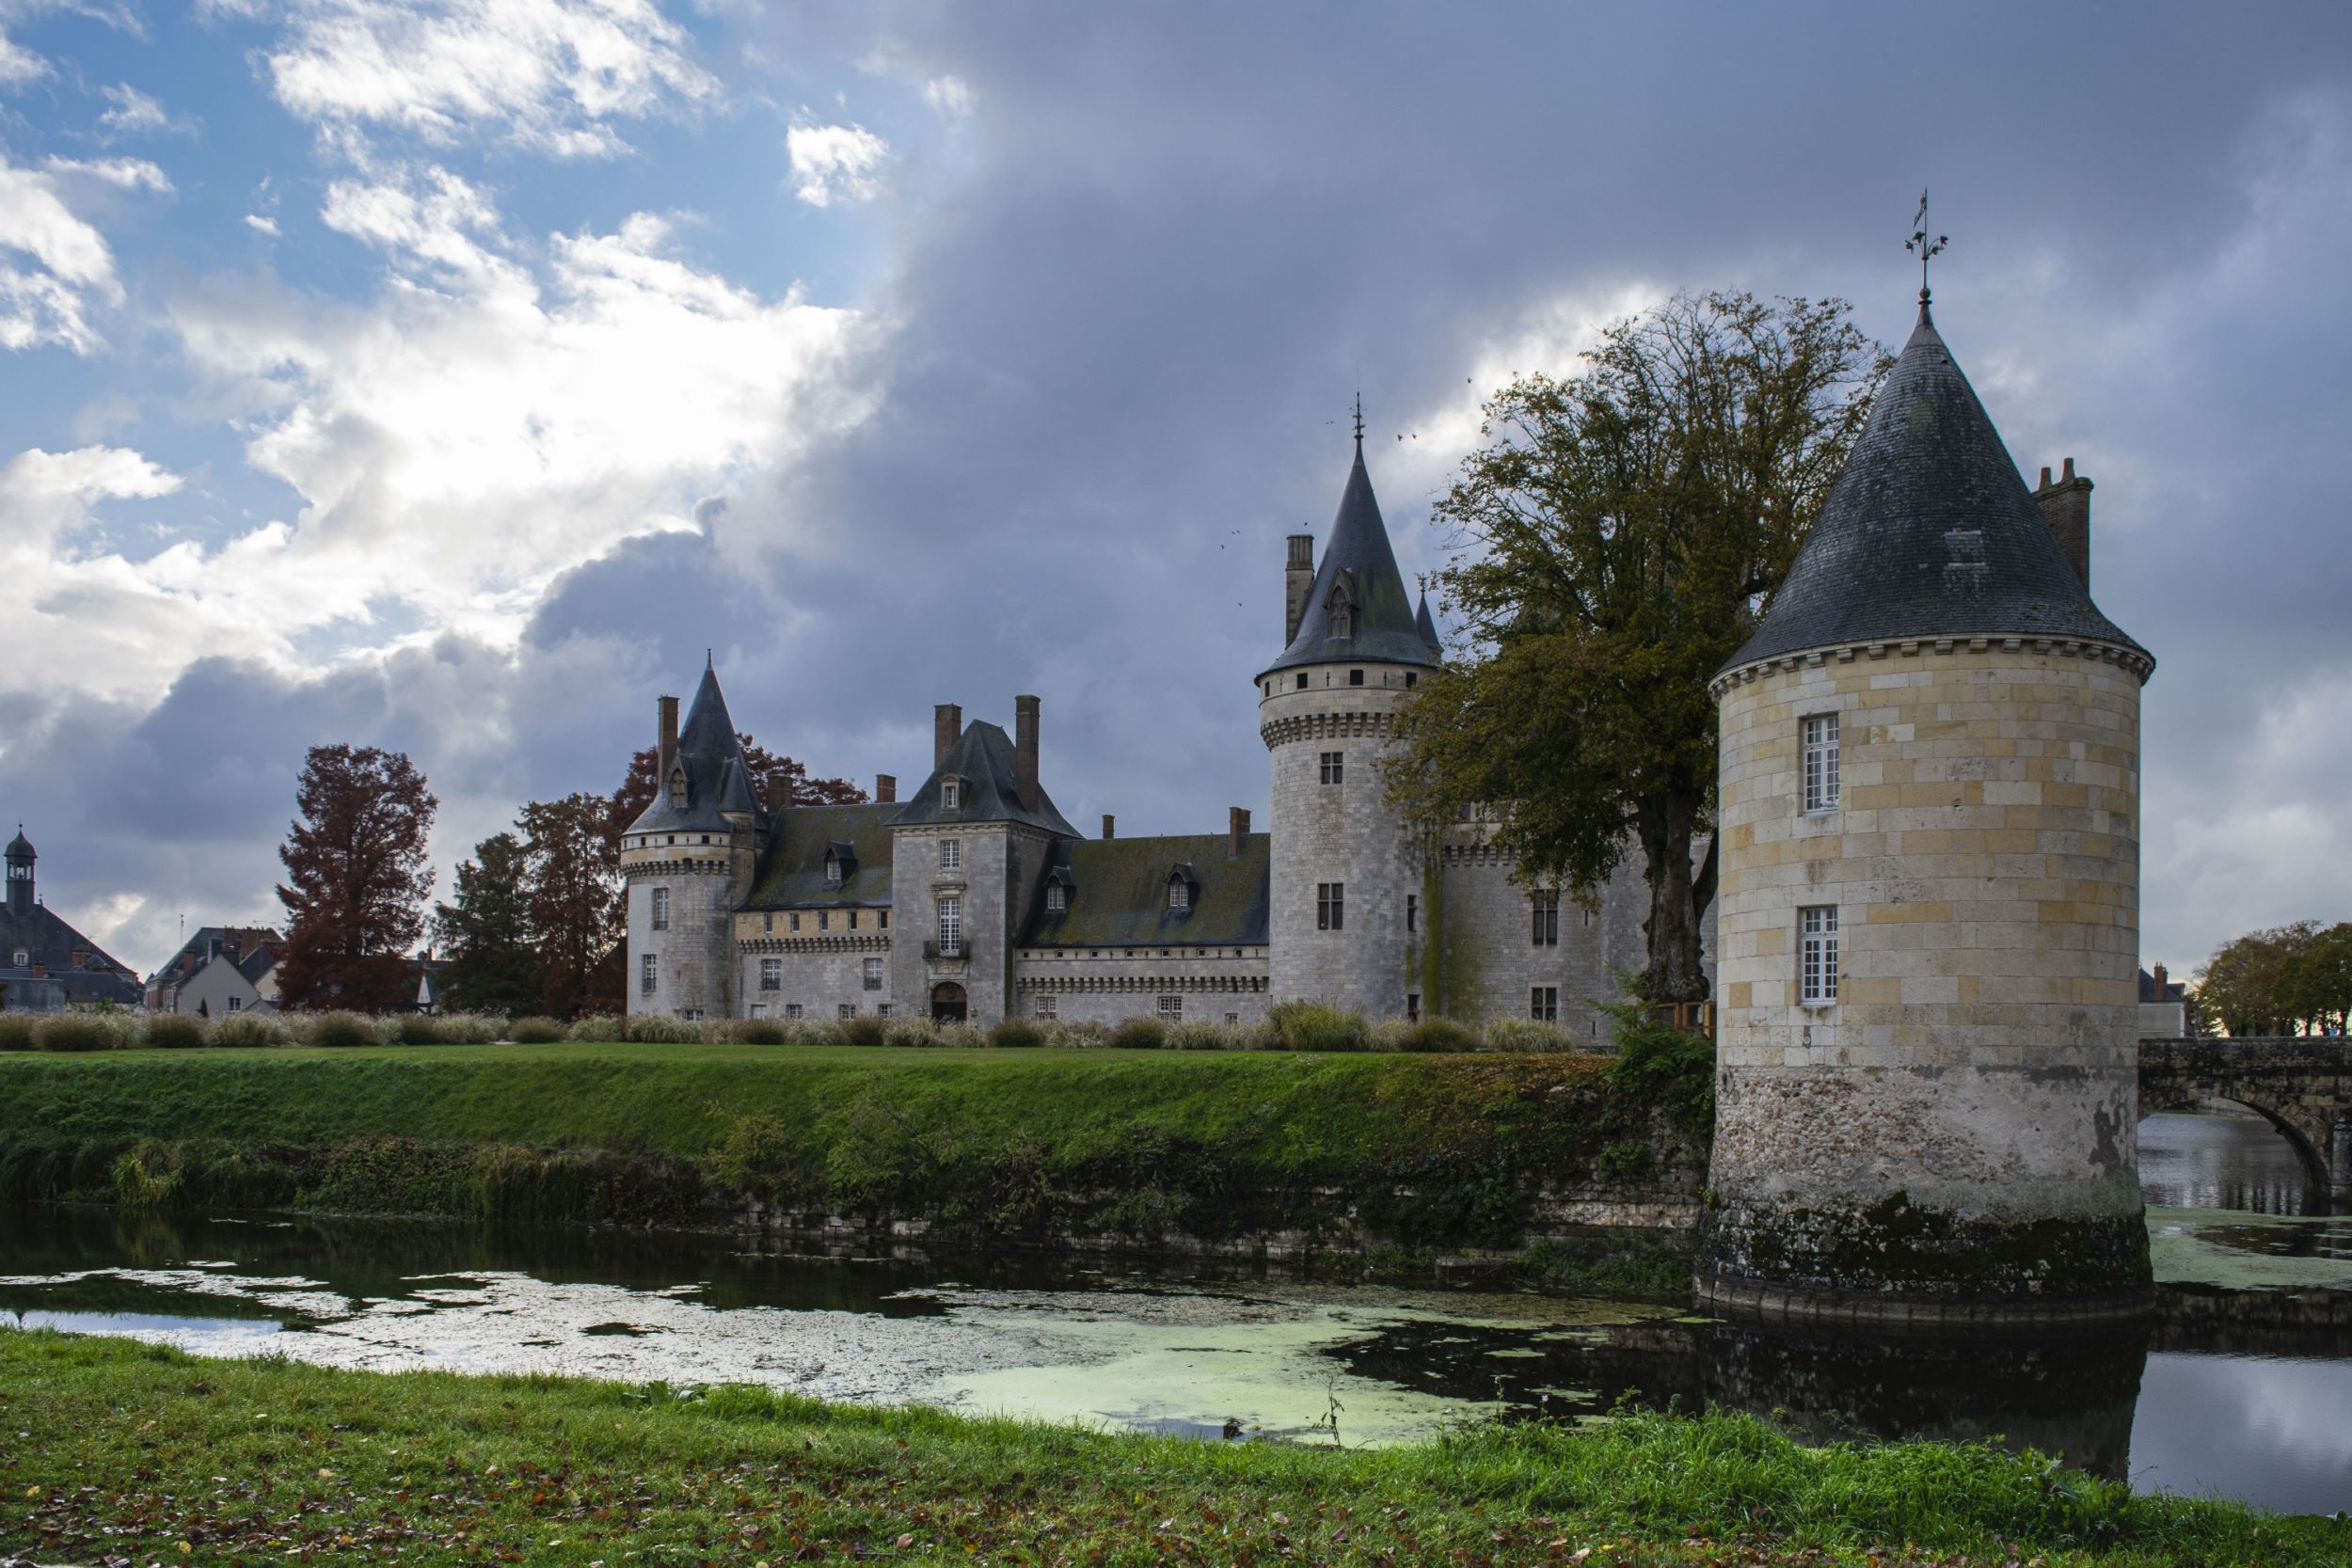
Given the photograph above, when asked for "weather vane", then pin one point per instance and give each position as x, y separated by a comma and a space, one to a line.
1360, 418
1921, 246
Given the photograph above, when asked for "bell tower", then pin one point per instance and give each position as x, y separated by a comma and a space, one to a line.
20, 858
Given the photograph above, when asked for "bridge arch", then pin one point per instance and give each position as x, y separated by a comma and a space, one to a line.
2302, 1085
2312, 1156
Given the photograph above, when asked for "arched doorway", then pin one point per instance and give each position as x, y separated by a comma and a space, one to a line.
948, 1003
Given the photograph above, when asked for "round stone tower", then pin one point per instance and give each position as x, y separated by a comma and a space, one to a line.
1343, 866
1928, 905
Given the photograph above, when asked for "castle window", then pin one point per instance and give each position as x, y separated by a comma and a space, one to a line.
796, 925
1179, 894
771, 974
951, 854
824, 920
662, 909
951, 795
873, 974
1817, 955
950, 926
792, 1009
1821, 762
767, 923
846, 1010
1340, 611
1355, 677
677, 787
1302, 680
1171, 1009
649, 975
1045, 1004
1412, 1007
833, 869
1542, 1003
881, 1009
706, 838
236, 1004
1547, 911
854, 920
1331, 906
882, 920
1056, 898
1413, 910
1411, 680
1334, 765
1233, 1017
759, 1009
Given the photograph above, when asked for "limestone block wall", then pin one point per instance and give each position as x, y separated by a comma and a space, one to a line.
820, 975
1001, 866
1217, 985
1340, 833
694, 972
1960, 1123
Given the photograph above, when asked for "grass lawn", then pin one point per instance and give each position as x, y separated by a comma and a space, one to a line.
111, 1450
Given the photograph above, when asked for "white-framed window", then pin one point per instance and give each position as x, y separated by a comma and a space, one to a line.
767, 924
1546, 910
1817, 955
846, 1009
1046, 1005
824, 920
833, 869
648, 973
1334, 765
1171, 1009
873, 974
662, 909
1331, 906
1233, 1017
951, 854
759, 1009
950, 794
950, 926
1542, 1003
792, 1009
770, 975
236, 1004
881, 1009
1179, 894
1821, 762
1056, 898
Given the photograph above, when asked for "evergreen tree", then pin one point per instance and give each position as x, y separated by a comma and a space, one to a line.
357, 880
485, 935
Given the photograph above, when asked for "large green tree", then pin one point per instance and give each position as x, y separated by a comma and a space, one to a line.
572, 878
486, 934
1614, 539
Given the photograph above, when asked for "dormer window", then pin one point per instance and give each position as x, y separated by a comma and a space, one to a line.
951, 794
1056, 898
1178, 895
833, 869
677, 787
1340, 610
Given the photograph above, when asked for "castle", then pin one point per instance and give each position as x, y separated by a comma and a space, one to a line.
974, 899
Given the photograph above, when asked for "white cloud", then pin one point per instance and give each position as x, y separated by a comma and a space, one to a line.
429, 214
266, 225
19, 66
833, 163
47, 301
951, 95
551, 74
130, 174
135, 114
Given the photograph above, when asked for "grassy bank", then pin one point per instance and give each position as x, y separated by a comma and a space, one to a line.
1410, 1153
117, 1450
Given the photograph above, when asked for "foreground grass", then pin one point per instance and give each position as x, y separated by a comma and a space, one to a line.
115, 1451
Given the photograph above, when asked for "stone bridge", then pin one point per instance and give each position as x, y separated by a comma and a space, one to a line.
2301, 1084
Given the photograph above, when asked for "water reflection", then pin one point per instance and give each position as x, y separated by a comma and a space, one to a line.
2224, 1160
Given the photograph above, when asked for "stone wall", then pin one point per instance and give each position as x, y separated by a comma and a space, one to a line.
695, 955
1217, 985
1958, 1125
819, 974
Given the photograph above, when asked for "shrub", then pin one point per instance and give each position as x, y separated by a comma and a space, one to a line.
760, 1031
251, 1029
598, 1027
418, 1029
16, 1031
339, 1029
1386, 1033
473, 1028
1661, 1065
174, 1032
1437, 1035
811, 1031
657, 1029
79, 1032
535, 1030
1317, 1026
959, 1037
1016, 1032
1199, 1034
908, 1032
1526, 1033
1140, 1034
865, 1029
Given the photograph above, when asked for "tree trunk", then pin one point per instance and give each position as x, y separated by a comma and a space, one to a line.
1663, 822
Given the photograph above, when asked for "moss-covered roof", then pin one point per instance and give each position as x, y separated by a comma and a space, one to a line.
1119, 894
792, 872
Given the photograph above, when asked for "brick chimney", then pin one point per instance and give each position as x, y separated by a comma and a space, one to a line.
2066, 507
1236, 829
886, 788
946, 729
665, 744
1298, 575
1110, 825
1025, 752
2158, 973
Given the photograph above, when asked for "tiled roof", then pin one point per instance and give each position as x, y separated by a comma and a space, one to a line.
792, 872
1928, 531
1119, 894
1384, 629
983, 759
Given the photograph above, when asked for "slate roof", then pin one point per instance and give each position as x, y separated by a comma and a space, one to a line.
19, 848
983, 758
1385, 628
2171, 991
1928, 531
49, 941
1119, 894
1426, 625
251, 941
792, 872
717, 773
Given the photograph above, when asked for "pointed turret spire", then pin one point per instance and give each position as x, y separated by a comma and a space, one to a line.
1426, 625
1374, 620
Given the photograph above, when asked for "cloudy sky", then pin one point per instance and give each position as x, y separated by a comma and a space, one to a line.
447, 376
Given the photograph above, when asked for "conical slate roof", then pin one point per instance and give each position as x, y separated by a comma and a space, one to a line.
1928, 531
1425, 625
709, 751
1384, 629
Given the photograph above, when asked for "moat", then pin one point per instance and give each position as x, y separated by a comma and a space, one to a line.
2205, 1399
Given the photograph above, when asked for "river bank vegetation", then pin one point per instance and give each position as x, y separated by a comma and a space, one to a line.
124, 1451
1385, 1159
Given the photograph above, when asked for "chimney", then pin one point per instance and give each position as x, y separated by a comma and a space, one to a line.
1025, 752
946, 729
2158, 974
2066, 507
886, 788
1110, 826
1299, 576
40, 970
1236, 829
665, 745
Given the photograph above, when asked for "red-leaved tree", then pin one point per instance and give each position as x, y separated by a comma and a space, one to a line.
357, 879
572, 877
